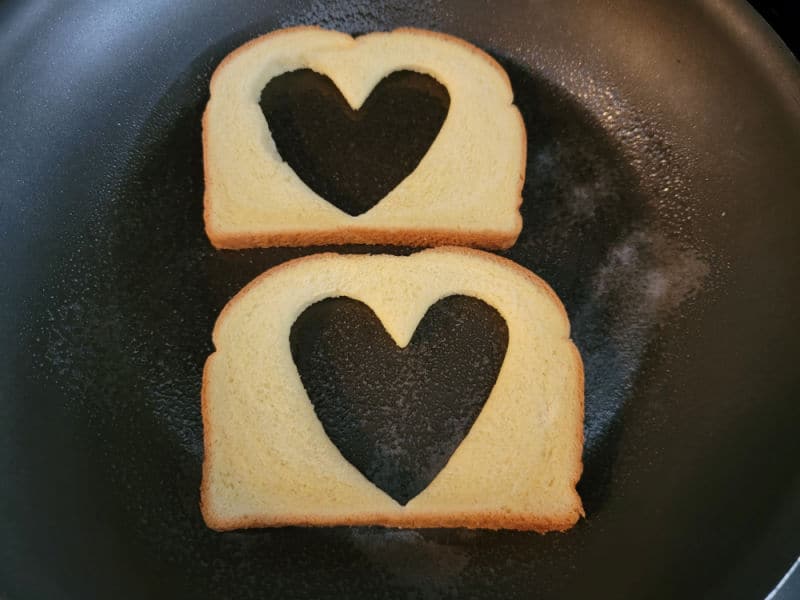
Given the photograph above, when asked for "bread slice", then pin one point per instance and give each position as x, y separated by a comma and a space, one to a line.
466, 190
268, 461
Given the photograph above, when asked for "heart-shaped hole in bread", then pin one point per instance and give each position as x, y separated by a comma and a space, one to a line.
353, 158
398, 414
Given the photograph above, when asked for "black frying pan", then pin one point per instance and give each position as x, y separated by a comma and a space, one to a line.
661, 203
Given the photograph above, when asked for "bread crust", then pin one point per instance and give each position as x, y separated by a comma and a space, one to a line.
477, 520
399, 236
472, 520
374, 237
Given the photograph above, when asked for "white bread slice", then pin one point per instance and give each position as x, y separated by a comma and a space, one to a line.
465, 191
268, 461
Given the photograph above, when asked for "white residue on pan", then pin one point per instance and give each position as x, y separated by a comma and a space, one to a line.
413, 559
655, 273
642, 282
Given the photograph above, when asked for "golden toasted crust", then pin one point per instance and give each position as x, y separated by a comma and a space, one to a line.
392, 237
483, 520
377, 236
476, 520
208, 515
576, 476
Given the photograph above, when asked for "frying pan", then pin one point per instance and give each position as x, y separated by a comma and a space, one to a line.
661, 204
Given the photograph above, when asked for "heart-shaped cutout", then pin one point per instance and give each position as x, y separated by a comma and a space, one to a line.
353, 158
398, 414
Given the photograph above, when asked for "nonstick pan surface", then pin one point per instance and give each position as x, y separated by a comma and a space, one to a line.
661, 203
